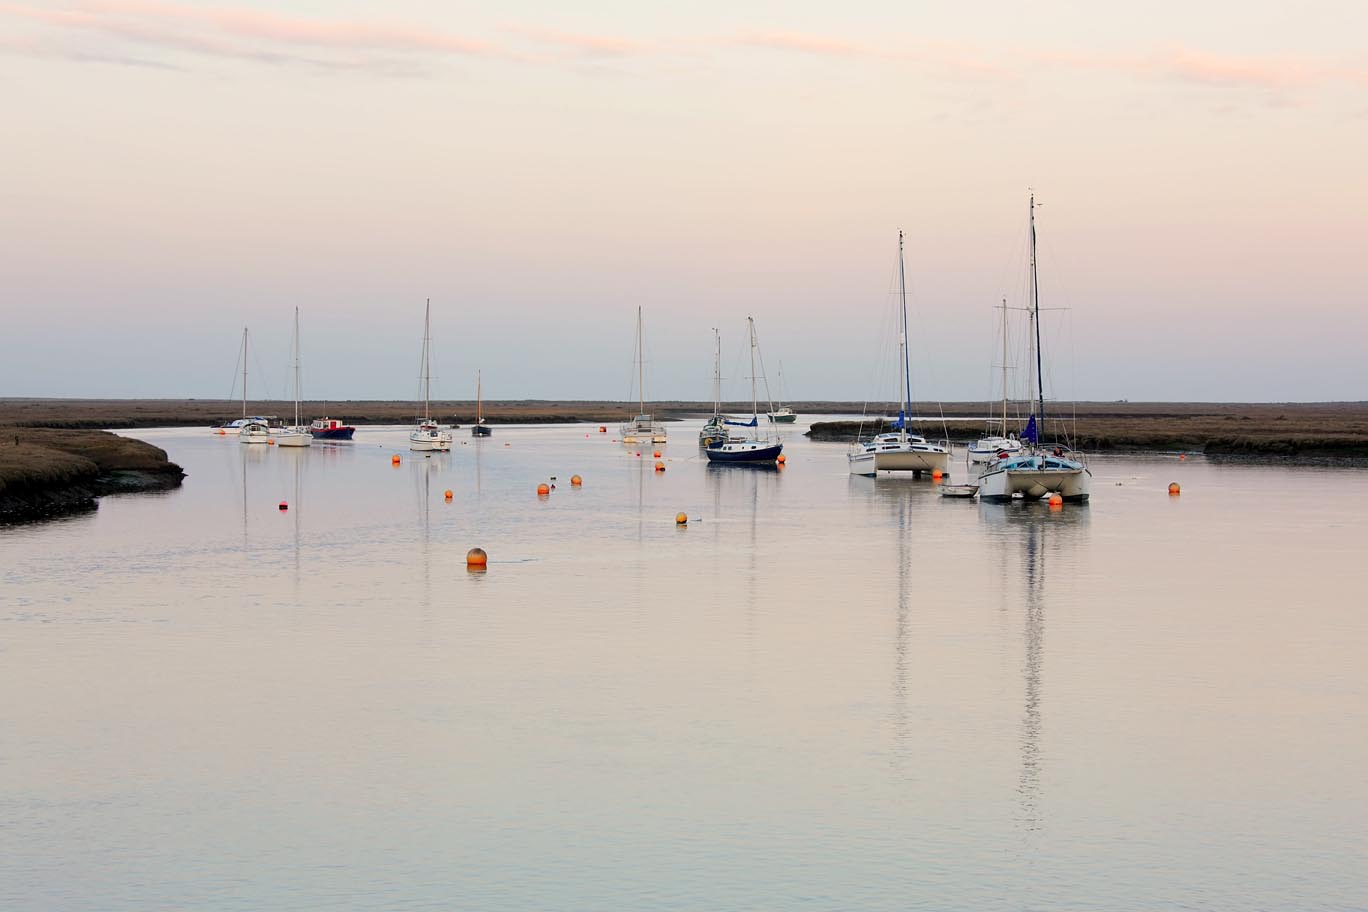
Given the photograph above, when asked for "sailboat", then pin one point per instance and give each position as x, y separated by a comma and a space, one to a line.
428, 436
296, 435
643, 427
479, 428
754, 447
714, 431
783, 414
1038, 470
899, 451
250, 430
988, 447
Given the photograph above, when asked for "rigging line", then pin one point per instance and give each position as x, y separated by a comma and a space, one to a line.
237, 368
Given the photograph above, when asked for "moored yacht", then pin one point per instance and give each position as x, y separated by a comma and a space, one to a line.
428, 436
753, 447
1037, 470
644, 427
900, 450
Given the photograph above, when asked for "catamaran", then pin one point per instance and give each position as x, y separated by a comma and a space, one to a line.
1039, 469
643, 427
900, 450
479, 428
753, 447
428, 436
296, 435
990, 446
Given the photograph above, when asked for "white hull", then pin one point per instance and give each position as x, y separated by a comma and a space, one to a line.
294, 437
429, 441
254, 433
987, 449
893, 456
1033, 478
638, 432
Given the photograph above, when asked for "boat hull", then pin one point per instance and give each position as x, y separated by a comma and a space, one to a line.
916, 461
1034, 483
429, 442
783, 419
481, 430
747, 452
294, 439
341, 433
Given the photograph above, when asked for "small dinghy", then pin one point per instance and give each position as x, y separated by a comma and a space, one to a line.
959, 490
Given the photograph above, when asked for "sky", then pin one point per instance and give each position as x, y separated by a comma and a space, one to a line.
174, 171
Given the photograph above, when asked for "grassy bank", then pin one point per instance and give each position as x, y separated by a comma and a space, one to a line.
44, 472
1272, 430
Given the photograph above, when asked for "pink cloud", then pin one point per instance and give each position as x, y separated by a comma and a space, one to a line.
592, 45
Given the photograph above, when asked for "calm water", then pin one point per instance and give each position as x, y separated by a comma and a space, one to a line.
824, 693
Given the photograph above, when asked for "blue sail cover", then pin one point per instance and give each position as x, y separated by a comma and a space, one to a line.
1029, 433
901, 422
752, 423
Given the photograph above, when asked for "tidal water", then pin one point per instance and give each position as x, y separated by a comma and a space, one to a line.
824, 692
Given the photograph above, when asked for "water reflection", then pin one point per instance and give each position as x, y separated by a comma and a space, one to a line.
1031, 538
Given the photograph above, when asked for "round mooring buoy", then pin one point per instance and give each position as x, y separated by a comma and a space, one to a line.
1174, 490
543, 490
576, 481
681, 519
476, 558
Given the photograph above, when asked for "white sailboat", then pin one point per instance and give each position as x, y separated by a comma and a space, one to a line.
297, 435
755, 446
251, 430
428, 436
1039, 470
644, 427
988, 447
901, 450
783, 414
713, 430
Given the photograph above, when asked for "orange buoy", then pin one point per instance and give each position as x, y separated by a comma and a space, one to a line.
656, 454
1174, 490
781, 459
447, 494
220, 432
270, 443
576, 481
1056, 500
937, 474
660, 466
602, 429
543, 490
476, 558
284, 505
1182, 456
681, 519
394, 460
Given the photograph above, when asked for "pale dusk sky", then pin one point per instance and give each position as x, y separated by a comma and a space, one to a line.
175, 170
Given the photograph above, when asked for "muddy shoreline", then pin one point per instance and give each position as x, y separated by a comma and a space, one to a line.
46, 472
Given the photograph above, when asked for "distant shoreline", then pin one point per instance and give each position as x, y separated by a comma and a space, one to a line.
1276, 430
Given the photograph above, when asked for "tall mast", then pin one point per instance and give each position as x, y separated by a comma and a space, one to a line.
717, 371
244, 372
296, 367
479, 399
755, 407
1004, 367
1035, 318
427, 368
641, 366
902, 340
